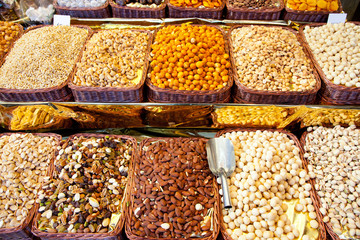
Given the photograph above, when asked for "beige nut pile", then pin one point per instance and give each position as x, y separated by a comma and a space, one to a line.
112, 58
336, 48
25, 159
268, 173
8, 34
42, 58
271, 59
333, 155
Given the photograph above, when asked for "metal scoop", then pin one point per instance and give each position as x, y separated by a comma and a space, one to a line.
221, 158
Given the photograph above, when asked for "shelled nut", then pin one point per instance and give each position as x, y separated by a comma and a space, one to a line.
189, 57
174, 191
81, 3
8, 34
42, 58
333, 155
113, 58
331, 117
25, 159
271, 59
259, 4
268, 174
88, 188
336, 49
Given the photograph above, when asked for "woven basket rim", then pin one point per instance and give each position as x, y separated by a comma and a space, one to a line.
316, 196
217, 203
57, 6
60, 86
162, 6
125, 198
222, 6
250, 10
313, 194
271, 93
289, 10
21, 32
315, 62
50, 169
138, 86
192, 92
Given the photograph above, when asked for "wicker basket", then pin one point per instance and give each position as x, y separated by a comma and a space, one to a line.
59, 93
136, 12
245, 13
23, 232
308, 16
112, 94
86, 12
336, 94
21, 32
113, 235
313, 195
190, 12
316, 196
161, 95
248, 95
129, 227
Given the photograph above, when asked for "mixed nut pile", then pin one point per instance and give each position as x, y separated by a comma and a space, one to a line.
259, 4
113, 58
271, 59
24, 165
336, 48
189, 57
331, 117
174, 194
140, 3
81, 3
333, 155
42, 58
9, 33
268, 173
87, 192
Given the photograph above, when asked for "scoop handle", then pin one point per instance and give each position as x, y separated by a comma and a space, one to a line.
225, 190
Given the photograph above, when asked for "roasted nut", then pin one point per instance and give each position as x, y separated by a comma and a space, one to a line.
42, 58
174, 191
268, 173
336, 49
25, 159
89, 185
271, 59
113, 58
333, 156
259, 4
9, 33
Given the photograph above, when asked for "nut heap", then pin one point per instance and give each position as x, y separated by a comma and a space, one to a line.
259, 4
268, 173
197, 3
42, 58
92, 176
271, 59
25, 159
113, 58
189, 57
336, 48
81, 3
251, 116
333, 155
174, 191
140, 3
9, 33
313, 5
331, 117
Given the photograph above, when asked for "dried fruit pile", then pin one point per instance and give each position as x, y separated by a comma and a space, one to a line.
88, 190
313, 5
197, 3
9, 33
189, 57
174, 195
